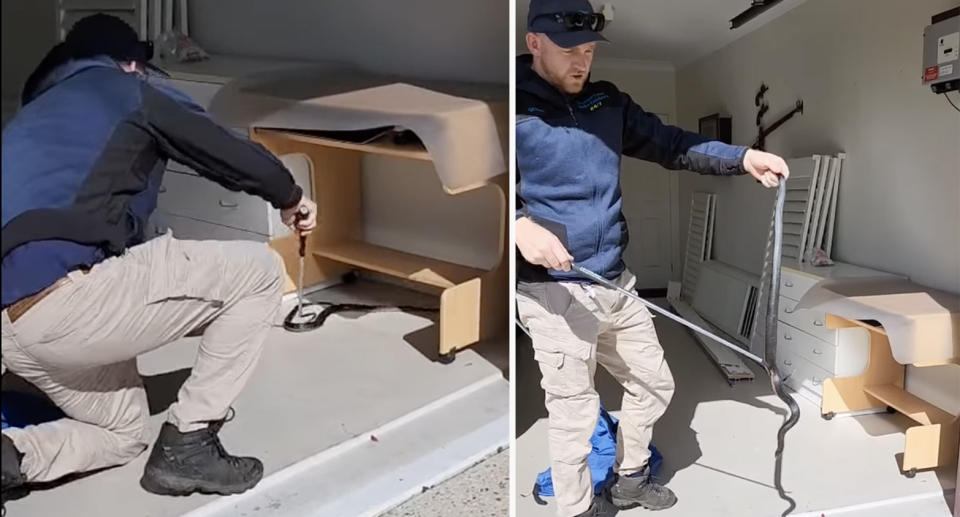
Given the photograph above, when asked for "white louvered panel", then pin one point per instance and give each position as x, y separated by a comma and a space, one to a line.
798, 205
825, 204
816, 208
831, 216
698, 236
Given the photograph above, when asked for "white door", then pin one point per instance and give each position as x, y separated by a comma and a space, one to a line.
647, 198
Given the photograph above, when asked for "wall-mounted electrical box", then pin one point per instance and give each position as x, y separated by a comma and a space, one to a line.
941, 52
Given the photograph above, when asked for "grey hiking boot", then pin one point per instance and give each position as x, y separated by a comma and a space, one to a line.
600, 507
184, 463
11, 478
640, 490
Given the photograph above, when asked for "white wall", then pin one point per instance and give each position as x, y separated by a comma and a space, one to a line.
462, 40
857, 66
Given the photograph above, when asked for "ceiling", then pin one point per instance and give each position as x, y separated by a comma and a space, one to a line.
674, 32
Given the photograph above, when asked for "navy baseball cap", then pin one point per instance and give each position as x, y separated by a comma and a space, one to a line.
567, 23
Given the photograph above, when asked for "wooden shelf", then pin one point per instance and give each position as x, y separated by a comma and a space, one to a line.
395, 263
382, 146
836, 322
914, 407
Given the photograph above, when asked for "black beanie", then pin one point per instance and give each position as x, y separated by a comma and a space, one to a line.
96, 35
103, 34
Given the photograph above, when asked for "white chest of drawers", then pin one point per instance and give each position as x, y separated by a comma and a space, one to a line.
807, 351
193, 207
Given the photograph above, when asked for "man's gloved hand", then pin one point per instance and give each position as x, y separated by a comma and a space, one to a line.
304, 225
765, 167
541, 247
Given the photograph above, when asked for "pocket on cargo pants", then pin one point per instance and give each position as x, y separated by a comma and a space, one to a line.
563, 334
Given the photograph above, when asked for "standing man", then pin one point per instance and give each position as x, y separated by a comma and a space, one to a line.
84, 294
571, 133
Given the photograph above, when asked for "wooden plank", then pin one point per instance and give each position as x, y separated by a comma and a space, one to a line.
383, 146
930, 446
336, 184
460, 316
316, 269
836, 322
495, 284
392, 262
914, 407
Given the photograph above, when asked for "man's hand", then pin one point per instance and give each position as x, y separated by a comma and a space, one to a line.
303, 225
541, 247
765, 167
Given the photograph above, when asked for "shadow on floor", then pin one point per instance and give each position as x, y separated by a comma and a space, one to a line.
162, 388
946, 476
424, 340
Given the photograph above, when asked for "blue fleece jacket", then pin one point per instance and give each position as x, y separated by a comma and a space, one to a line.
568, 166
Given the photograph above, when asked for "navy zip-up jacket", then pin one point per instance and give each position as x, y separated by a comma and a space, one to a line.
568, 166
83, 160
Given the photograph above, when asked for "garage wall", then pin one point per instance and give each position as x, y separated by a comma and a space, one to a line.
463, 40
857, 66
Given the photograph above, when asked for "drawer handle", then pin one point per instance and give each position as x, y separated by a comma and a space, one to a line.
788, 337
788, 362
818, 323
787, 283
817, 351
225, 204
788, 310
817, 381
163, 189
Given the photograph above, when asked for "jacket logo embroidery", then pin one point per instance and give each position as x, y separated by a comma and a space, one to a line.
593, 102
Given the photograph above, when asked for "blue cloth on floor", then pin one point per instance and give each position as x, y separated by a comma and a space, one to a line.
601, 458
23, 409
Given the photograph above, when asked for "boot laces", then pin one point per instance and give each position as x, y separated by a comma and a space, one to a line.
214, 440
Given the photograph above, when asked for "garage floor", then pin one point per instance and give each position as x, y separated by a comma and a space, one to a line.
309, 411
718, 443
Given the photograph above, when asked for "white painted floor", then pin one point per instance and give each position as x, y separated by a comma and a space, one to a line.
718, 443
309, 412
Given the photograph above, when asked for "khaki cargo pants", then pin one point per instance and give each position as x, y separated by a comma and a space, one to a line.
574, 326
79, 346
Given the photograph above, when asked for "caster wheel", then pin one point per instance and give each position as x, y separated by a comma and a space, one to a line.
910, 473
891, 410
350, 277
828, 416
447, 358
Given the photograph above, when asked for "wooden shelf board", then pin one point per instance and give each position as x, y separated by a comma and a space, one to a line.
835, 322
910, 405
399, 264
383, 146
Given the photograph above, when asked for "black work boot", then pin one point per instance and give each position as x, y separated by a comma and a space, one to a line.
600, 507
184, 463
640, 490
11, 478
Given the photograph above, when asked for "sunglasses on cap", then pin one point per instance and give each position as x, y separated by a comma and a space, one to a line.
578, 21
